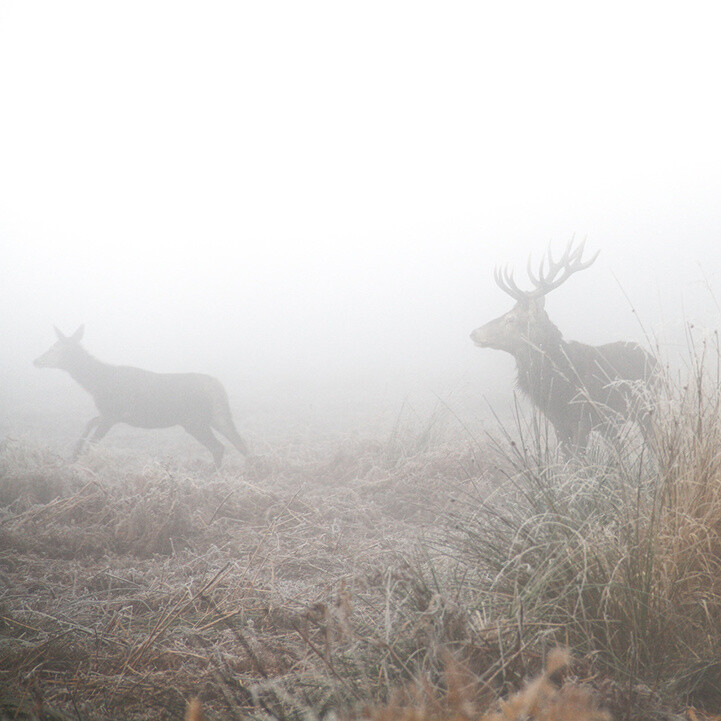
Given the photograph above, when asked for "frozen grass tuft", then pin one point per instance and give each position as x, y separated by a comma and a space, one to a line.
617, 552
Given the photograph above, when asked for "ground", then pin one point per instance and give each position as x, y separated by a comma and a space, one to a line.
136, 579
332, 575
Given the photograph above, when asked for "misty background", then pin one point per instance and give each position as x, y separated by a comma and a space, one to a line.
307, 200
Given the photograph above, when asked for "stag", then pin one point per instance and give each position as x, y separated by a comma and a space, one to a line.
145, 399
578, 387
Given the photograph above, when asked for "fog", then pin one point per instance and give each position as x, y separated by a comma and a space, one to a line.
307, 200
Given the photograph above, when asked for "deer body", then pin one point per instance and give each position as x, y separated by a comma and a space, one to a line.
578, 387
145, 399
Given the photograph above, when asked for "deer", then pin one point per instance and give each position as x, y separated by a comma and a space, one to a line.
145, 399
579, 388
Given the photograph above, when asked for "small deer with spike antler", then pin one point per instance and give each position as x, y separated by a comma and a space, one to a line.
578, 387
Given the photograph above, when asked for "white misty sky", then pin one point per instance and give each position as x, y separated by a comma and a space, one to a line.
292, 187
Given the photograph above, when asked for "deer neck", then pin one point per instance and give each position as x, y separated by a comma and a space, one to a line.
88, 371
542, 362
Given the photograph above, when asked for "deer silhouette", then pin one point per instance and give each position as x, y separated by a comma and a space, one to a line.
145, 399
578, 387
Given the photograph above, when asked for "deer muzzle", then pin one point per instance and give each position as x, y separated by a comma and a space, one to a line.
495, 334
46, 360
477, 336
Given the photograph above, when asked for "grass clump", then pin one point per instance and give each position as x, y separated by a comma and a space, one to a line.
547, 697
617, 552
543, 698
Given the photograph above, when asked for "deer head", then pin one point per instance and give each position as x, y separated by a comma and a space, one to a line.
61, 354
527, 324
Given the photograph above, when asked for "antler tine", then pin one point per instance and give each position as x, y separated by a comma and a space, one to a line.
578, 252
513, 289
567, 256
590, 261
569, 263
542, 280
581, 265
504, 280
536, 280
550, 253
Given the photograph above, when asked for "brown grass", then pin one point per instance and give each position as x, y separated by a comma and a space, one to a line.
328, 575
616, 553
135, 583
467, 700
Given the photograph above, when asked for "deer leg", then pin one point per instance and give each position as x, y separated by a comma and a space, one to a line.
584, 432
102, 426
573, 445
204, 435
639, 408
228, 429
81, 442
101, 431
579, 432
646, 424
566, 441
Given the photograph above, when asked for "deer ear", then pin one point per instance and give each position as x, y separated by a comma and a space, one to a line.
59, 333
78, 335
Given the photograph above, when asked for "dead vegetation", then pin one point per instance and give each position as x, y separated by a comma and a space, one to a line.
130, 585
420, 577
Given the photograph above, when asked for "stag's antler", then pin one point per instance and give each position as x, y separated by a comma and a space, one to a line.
550, 275
504, 280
